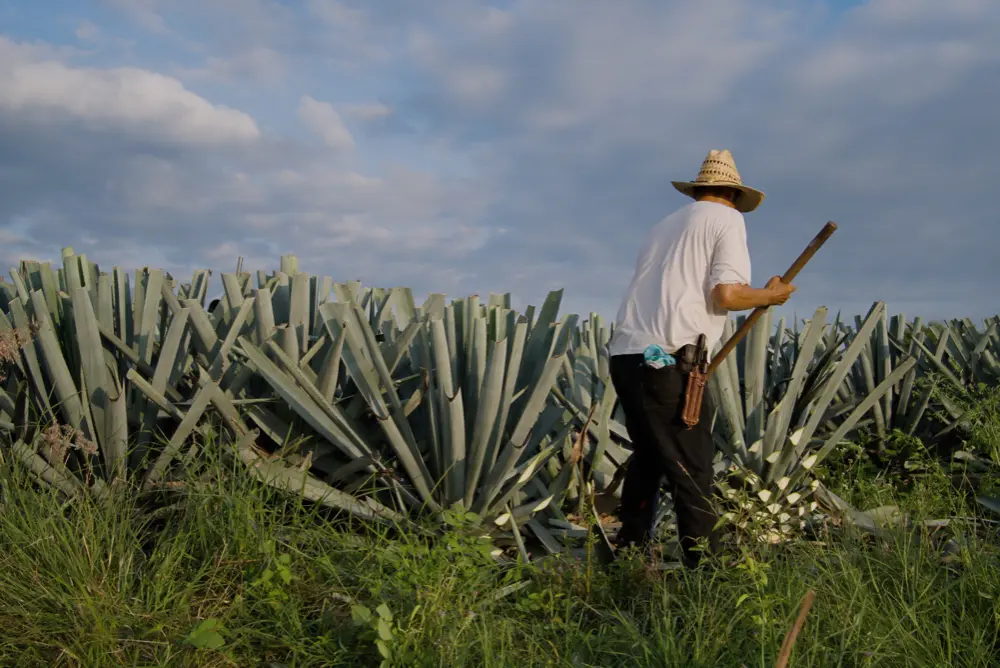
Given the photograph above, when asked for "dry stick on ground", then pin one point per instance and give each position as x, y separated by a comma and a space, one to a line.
786, 647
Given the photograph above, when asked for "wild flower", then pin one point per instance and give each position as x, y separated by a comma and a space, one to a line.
11, 342
59, 438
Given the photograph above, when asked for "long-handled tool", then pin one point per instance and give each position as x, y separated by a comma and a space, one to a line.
699, 376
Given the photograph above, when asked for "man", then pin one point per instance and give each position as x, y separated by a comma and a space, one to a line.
693, 269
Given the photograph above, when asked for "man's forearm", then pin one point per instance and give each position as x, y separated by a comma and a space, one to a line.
734, 297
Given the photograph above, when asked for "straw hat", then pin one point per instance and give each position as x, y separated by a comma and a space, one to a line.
719, 169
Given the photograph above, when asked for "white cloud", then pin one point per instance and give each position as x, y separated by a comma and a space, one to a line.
324, 120
368, 112
144, 13
588, 110
87, 31
120, 98
476, 85
253, 64
337, 13
78, 168
541, 139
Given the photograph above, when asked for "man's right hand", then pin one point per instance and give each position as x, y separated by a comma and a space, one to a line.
779, 291
736, 297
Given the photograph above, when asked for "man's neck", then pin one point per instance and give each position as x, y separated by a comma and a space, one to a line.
717, 200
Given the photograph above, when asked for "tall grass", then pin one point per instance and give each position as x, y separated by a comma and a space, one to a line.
228, 573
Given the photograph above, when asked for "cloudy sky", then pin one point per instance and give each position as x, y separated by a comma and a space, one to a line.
468, 147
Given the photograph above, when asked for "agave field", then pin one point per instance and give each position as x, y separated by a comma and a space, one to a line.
363, 401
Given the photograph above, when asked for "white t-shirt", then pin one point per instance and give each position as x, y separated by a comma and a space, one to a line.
669, 301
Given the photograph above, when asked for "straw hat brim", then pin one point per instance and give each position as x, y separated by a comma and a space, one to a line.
749, 199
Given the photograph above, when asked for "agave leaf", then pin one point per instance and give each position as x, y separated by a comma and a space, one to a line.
734, 379
540, 339
133, 357
264, 317
883, 359
980, 348
150, 307
488, 407
199, 286
862, 408
917, 414
124, 324
777, 358
105, 305
527, 472
289, 342
71, 270
321, 343
476, 361
233, 292
323, 288
935, 359
398, 350
330, 372
361, 346
171, 301
906, 389
756, 364
991, 503
279, 475
602, 420
187, 426
434, 409
726, 400
452, 413
829, 388
19, 287
99, 393
281, 298
781, 416
868, 374
43, 279
167, 366
515, 355
206, 341
298, 314
220, 362
518, 438
66, 392
301, 397
8, 292
49, 475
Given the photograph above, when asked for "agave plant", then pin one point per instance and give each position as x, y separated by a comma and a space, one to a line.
457, 403
774, 446
113, 366
905, 406
971, 353
360, 399
961, 357
352, 396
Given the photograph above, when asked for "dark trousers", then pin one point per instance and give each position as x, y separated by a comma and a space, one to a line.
652, 400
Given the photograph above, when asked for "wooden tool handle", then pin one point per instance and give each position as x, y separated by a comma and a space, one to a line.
786, 647
807, 254
787, 277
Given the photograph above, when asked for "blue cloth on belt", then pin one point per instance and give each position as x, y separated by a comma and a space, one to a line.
657, 358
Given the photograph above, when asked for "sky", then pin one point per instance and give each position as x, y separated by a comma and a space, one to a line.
471, 147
